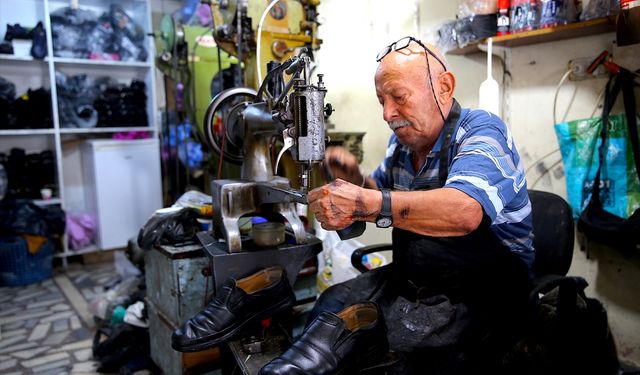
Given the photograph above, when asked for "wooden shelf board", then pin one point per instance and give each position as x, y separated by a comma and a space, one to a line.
549, 34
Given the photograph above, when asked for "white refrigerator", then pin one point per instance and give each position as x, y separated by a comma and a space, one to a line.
123, 187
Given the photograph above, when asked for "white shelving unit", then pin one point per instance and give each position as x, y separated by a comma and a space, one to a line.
28, 73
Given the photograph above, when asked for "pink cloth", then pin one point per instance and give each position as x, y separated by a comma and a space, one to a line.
81, 230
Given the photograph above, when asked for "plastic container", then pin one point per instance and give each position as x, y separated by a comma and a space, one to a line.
19, 267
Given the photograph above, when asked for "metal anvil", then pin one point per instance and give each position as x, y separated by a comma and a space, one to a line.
236, 198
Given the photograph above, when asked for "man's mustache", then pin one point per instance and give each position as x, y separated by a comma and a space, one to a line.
397, 124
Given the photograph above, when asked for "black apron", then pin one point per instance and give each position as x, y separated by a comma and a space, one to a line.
442, 297
456, 266
467, 294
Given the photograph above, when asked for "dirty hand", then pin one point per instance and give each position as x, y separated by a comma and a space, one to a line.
341, 164
340, 203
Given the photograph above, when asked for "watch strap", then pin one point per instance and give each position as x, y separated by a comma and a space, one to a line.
385, 210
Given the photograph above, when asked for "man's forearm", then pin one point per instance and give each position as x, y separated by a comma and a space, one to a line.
439, 212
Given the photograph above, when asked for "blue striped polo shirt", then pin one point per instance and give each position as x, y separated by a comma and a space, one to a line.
484, 164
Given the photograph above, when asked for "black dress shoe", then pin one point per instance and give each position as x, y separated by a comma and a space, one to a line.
238, 303
349, 342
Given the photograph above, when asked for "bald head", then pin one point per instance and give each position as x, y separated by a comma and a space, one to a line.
416, 95
412, 57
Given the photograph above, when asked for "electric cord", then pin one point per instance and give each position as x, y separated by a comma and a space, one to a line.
555, 95
221, 79
222, 143
259, 41
213, 26
545, 173
555, 100
539, 160
598, 100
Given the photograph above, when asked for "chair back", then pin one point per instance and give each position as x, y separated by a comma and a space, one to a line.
554, 233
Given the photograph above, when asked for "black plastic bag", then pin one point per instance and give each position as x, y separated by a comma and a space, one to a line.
22, 216
169, 228
115, 346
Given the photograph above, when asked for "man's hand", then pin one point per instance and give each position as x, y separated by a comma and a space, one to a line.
340, 203
341, 164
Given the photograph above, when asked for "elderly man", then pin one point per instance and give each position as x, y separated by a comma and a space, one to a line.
453, 188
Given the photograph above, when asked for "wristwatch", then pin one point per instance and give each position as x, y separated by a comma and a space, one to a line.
385, 219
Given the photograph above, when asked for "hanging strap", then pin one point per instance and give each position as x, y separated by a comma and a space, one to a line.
450, 126
630, 109
622, 81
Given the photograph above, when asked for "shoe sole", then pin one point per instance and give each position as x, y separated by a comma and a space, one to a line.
209, 343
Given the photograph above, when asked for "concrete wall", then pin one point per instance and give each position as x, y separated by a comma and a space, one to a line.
353, 32
347, 59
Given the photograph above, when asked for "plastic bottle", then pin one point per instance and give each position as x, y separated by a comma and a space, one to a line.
519, 12
503, 17
555, 12
533, 18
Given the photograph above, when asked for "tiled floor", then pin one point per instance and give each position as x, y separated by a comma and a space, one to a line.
46, 328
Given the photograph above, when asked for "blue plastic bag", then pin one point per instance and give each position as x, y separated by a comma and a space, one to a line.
579, 141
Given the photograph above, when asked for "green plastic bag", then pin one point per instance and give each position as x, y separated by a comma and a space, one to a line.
579, 141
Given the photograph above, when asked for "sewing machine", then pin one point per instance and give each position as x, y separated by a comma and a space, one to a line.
295, 111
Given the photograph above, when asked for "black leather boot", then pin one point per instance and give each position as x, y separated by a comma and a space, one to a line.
239, 303
345, 343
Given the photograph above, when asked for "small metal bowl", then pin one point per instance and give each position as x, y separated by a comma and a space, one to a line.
268, 234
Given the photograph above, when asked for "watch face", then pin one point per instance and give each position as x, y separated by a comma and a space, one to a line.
384, 222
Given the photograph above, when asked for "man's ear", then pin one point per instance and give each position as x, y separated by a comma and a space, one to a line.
447, 86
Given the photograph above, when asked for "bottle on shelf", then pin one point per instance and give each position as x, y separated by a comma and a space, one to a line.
503, 17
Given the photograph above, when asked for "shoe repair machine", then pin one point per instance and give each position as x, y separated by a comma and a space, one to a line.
250, 120
242, 126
